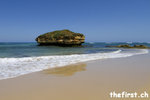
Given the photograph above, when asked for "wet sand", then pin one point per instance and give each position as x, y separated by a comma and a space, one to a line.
92, 80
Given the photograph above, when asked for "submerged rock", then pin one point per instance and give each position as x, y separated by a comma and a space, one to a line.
140, 46
61, 38
124, 46
128, 46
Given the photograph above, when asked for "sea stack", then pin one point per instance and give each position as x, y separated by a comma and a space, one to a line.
61, 38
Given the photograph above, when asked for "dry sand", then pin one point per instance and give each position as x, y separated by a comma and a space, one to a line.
86, 81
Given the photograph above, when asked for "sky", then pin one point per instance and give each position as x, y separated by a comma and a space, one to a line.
98, 20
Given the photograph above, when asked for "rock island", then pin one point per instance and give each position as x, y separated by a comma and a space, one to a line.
61, 38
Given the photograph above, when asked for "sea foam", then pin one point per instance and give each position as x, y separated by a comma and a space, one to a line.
13, 67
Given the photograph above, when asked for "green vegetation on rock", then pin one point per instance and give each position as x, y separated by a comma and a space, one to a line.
61, 37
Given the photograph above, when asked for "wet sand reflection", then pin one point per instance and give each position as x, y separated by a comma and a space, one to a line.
67, 70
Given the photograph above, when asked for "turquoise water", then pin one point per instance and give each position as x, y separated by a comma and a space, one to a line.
31, 49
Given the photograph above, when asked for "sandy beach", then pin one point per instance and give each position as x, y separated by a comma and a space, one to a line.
92, 80
75, 50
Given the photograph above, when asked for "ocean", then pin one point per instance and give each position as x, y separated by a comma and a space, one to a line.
22, 58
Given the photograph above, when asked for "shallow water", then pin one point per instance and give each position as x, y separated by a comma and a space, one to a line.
18, 50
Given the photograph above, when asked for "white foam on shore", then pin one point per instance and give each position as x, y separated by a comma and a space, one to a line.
13, 67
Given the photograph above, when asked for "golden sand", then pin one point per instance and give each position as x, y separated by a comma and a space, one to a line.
86, 81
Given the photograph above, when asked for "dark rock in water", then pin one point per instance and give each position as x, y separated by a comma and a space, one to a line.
128, 46
61, 38
124, 46
140, 46
121, 46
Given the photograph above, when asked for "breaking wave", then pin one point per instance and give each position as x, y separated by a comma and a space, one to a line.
13, 67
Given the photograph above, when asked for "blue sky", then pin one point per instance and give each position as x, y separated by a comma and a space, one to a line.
99, 20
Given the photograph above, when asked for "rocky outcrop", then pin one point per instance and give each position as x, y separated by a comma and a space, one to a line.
129, 46
61, 38
140, 46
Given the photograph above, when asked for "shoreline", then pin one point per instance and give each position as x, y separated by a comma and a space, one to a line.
84, 81
41, 63
74, 64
